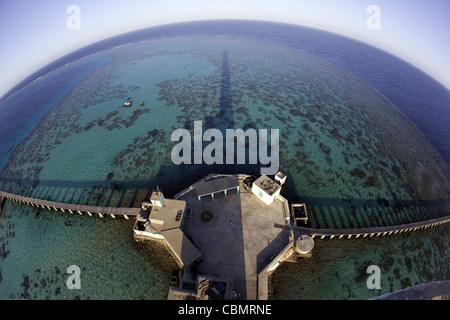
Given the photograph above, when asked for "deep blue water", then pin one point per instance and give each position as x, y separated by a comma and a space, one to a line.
35, 101
421, 98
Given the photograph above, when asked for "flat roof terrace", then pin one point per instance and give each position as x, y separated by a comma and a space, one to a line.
165, 218
240, 238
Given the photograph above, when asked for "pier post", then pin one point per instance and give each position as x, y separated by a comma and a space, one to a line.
100, 215
80, 212
125, 216
62, 209
113, 216
89, 214
70, 211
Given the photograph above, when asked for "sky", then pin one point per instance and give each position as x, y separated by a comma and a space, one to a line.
35, 33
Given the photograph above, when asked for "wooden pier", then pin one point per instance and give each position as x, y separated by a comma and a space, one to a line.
70, 208
255, 282
367, 232
347, 233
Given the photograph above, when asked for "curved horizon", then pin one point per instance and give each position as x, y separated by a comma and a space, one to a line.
36, 75
413, 33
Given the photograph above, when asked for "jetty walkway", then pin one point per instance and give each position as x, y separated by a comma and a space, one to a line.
313, 232
366, 232
68, 207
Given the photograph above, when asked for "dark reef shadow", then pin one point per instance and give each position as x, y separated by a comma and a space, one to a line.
354, 213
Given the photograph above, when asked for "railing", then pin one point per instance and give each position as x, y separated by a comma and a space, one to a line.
367, 232
72, 208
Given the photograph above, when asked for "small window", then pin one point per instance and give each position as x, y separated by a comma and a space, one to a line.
261, 194
178, 216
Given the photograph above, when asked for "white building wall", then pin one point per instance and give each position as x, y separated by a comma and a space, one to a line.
148, 234
263, 195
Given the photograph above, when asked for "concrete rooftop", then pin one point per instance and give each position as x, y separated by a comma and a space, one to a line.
165, 218
239, 239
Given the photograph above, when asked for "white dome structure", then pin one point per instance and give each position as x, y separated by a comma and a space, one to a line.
304, 244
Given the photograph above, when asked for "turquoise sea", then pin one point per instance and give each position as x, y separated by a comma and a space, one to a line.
349, 153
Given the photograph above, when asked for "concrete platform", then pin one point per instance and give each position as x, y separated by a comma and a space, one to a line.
240, 238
